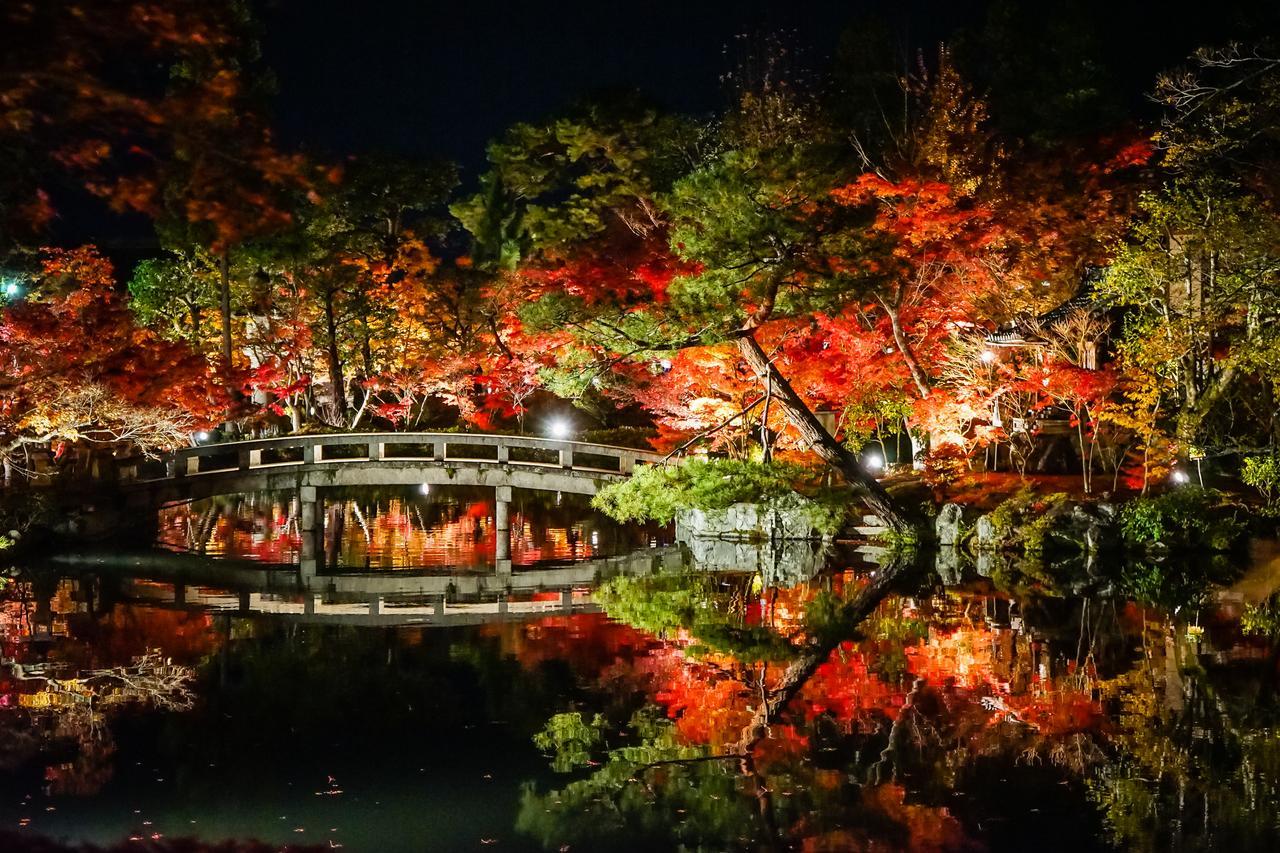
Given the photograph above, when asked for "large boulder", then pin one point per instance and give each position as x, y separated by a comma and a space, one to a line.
786, 518
990, 535
949, 523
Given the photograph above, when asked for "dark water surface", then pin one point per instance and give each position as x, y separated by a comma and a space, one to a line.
1069, 707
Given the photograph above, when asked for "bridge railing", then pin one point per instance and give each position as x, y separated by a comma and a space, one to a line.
362, 448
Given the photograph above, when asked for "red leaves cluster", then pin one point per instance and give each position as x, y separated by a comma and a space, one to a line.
73, 327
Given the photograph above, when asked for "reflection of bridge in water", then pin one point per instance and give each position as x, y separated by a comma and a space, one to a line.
247, 588
306, 464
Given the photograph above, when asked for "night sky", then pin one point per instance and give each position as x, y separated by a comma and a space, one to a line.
425, 77
422, 77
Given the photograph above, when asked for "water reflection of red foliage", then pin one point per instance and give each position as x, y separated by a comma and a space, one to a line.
991, 671
927, 828
386, 534
590, 643
128, 632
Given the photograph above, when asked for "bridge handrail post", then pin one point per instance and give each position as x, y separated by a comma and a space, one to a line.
377, 450
566, 457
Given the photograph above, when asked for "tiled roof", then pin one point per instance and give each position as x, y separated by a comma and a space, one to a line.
1020, 332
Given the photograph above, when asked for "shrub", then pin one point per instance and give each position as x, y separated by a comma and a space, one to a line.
1182, 517
944, 466
1009, 512
637, 437
1036, 529
1263, 473
658, 492
1027, 514
1262, 619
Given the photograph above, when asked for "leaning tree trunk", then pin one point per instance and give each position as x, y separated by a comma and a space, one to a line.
819, 440
918, 375
803, 667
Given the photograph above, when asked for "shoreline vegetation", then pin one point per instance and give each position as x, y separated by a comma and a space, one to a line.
913, 314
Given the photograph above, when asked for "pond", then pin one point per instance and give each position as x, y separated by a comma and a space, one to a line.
627, 693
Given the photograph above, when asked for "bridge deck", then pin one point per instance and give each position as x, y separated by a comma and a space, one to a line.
354, 459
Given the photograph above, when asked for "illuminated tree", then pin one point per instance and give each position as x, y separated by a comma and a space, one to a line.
1199, 273
74, 366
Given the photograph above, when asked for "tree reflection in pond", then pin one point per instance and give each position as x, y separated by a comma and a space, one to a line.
396, 527
1061, 707
945, 719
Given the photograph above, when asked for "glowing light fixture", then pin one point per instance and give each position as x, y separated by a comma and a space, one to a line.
202, 436
1181, 477
11, 289
425, 488
988, 356
873, 462
559, 428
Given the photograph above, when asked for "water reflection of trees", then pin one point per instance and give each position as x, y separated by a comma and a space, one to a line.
832, 715
60, 689
853, 710
396, 527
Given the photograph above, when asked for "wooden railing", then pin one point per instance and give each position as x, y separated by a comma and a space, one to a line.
440, 448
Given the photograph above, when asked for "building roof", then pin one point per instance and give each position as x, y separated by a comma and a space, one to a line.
1023, 332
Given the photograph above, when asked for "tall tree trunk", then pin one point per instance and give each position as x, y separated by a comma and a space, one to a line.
766, 445
819, 440
1197, 407
918, 376
336, 381
194, 311
366, 344
224, 296
366, 361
